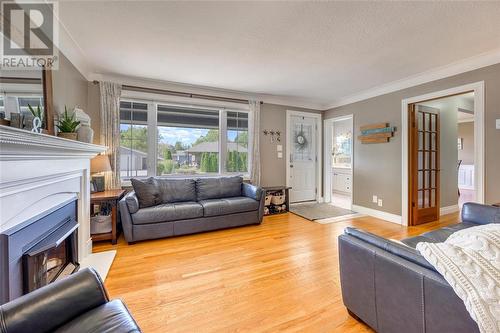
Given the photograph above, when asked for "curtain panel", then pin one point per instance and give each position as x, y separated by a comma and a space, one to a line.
110, 130
254, 128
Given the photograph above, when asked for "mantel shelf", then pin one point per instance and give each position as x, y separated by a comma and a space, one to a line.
18, 144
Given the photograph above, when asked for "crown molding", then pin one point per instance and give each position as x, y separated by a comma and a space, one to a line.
197, 89
455, 68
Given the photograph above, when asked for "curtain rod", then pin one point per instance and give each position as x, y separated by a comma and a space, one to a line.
182, 94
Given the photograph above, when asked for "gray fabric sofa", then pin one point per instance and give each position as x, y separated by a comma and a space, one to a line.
392, 288
188, 206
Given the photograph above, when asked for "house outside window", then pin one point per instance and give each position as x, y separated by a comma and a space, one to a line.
185, 140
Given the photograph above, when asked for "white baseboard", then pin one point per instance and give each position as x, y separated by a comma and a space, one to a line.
378, 214
448, 210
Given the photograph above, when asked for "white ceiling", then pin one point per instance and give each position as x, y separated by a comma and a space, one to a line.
318, 52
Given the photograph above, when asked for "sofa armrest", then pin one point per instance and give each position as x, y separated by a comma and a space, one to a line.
51, 306
128, 205
251, 191
480, 214
390, 246
393, 294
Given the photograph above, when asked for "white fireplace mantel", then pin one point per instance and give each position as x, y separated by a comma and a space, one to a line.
39, 172
18, 144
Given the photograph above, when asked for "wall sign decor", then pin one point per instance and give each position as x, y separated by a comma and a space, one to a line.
275, 134
376, 133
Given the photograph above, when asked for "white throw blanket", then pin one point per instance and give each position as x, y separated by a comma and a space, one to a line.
469, 261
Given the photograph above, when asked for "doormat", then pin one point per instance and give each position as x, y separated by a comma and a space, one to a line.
318, 211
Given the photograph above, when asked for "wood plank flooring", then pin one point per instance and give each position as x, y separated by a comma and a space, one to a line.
281, 276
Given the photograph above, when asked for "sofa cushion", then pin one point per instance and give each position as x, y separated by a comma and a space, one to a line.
177, 190
225, 206
439, 235
168, 212
110, 317
480, 214
460, 226
413, 241
220, 187
147, 191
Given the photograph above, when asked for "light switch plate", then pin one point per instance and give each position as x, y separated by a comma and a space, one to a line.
280, 155
498, 124
279, 148
380, 202
374, 199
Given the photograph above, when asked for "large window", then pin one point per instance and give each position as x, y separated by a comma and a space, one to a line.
185, 140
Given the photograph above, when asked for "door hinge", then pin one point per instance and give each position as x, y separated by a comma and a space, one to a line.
316, 190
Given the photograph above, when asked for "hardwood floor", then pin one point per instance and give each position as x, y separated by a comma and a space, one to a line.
280, 276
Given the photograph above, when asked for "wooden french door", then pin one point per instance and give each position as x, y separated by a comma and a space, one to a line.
424, 164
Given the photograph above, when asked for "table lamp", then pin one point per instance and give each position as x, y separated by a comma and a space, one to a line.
99, 165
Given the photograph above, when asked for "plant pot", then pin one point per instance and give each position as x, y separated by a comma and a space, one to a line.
71, 136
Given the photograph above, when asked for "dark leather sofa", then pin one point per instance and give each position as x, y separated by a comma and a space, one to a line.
78, 303
188, 206
392, 288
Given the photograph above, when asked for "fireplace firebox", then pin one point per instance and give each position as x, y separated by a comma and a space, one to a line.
39, 251
52, 258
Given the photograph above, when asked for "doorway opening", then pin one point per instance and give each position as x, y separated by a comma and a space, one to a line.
443, 152
338, 169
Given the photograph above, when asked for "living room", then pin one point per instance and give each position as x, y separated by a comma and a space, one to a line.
249, 166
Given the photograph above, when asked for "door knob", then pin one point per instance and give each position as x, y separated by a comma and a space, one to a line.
291, 165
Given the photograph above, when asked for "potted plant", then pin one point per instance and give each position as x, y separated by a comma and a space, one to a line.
67, 125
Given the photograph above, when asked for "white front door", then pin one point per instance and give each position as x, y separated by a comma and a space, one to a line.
302, 157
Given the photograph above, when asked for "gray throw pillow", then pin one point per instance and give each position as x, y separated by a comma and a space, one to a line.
177, 190
147, 191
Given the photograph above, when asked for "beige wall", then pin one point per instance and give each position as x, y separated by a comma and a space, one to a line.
377, 167
273, 169
466, 132
94, 109
70, 87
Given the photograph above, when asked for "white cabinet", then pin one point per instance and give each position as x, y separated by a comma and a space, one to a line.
342, 180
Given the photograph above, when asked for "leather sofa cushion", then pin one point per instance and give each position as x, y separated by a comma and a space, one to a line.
168, 212
413, 241
147, 191
110, 317
480, 214
439, 235
460, 226
225, 206
220, 187
177, 190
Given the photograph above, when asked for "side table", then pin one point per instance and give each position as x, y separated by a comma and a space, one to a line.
110, 197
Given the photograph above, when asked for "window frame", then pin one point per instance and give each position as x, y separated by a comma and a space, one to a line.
152, 125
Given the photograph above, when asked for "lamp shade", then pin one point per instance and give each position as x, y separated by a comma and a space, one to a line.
100, 163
